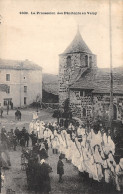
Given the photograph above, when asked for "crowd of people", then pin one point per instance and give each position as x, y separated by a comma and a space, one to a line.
90, 151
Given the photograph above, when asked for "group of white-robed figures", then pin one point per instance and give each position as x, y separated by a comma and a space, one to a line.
93, 155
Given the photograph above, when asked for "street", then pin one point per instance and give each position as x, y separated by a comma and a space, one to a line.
15, 178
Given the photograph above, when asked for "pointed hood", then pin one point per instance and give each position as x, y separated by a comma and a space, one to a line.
77, 45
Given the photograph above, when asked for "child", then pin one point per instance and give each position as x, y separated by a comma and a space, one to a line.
60, 169
119, 175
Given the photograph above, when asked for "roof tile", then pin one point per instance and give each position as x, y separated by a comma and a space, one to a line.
99, 81
77, 45
19, 65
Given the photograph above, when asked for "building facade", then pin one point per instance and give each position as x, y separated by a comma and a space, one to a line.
85, 85
23, 80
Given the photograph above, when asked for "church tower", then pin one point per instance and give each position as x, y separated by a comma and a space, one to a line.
73, 62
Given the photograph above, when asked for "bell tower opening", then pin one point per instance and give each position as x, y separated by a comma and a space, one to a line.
86, 61
69, 61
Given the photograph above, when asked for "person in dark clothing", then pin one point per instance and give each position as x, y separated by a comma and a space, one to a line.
31, 173
43, 178
24, 131
33, 138
27, 138
60, 169
22, 142
1, 112
4, 136
17, 133
46, 145
43, 153
36, 148
19, 115
16, 115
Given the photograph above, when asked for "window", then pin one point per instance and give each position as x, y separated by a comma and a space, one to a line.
82, 60
84, 112
5, 103
25, 100
8, 90
90, 61
68, 61
7, 77
81, 93
25, 89
86, 60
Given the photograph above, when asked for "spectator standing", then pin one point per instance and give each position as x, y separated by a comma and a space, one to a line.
19, 115
119, 176
42, 152
17, 133
43, 178
27, 138
60, 169
22, 142
1, 112
46, 146
24, 131
33, 138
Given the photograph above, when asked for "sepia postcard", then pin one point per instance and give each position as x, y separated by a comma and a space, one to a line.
61, 96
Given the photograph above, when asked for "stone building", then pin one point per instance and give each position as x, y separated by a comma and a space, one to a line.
23, 80
86, 85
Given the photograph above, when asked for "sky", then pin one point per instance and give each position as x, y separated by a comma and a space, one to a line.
41, 38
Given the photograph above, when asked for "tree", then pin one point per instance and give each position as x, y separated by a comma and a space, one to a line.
66, 105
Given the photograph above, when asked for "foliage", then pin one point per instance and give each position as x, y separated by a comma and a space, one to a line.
66, 105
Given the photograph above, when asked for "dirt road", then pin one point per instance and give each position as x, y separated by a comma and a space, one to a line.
15, 178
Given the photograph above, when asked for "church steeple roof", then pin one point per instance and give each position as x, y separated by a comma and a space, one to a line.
77, 45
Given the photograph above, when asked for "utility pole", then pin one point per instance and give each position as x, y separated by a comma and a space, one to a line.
21, 64
111, 71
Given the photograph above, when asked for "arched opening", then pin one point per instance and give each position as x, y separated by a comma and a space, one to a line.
68, 61
86, 60
90, 61
114, 112
84, 112
81, 60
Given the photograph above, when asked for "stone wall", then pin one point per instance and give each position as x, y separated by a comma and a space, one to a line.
95, 105
81, 106
69, 73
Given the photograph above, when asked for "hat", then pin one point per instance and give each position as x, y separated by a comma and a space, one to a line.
42, 161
